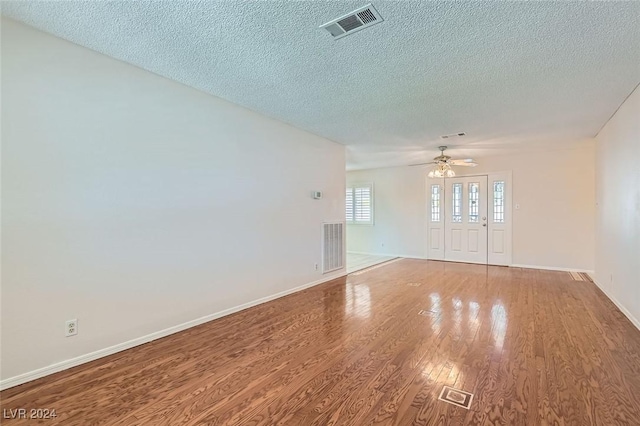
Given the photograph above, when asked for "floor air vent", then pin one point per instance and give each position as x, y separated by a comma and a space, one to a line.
332, 247
456, 397
357, 20
580, 276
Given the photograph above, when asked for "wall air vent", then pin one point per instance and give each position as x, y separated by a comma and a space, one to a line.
333, 247
357, 20
453, 135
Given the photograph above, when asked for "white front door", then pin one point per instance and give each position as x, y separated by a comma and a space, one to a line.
465, 219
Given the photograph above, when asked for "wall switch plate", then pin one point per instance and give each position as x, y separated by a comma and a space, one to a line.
517, 206
71, 328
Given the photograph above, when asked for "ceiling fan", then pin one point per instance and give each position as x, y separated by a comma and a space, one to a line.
443, 164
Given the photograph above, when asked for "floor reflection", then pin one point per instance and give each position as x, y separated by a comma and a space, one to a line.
474, 311
445, 372
436, 319
457, 316
435, 302
357, 300
333, 319
498, 324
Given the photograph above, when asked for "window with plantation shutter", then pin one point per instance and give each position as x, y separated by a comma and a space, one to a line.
359, 204
349, 204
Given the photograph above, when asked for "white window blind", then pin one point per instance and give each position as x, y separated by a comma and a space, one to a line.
359, 204
349, 204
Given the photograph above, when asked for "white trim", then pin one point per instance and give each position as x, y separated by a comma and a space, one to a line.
374, 263
470, 262
548, 268
82, 359
388, 255
551, 268
507, 176
635, 321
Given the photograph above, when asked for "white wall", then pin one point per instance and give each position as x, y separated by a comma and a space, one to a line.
134, 203
399, 213
617, 256
553, 227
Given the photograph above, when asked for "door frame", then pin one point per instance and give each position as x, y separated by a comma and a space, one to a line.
505, 257
465, 228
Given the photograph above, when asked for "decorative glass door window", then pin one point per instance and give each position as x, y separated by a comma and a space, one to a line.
457, 203
474, 202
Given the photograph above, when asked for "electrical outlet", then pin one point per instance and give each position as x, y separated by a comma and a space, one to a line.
71, 328
316, 266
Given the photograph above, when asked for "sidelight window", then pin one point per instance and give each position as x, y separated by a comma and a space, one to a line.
498, 201
435, 203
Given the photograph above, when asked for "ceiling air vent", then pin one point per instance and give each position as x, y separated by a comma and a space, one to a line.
453, 135
357, 20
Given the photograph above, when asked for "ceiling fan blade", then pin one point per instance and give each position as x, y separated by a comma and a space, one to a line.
422, 164
461, 161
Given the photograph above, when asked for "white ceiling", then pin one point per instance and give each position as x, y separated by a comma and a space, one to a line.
513, 75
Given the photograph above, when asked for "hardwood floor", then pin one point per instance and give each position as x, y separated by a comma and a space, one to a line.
534, 347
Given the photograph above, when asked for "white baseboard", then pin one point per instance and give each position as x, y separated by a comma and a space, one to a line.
407, 256
615, 301
551, 268
387, 255
82, 359
369, 254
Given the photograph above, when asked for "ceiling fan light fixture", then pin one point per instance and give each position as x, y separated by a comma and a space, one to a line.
443, 165
441, 170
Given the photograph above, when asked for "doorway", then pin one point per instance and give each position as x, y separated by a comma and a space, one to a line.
469, 219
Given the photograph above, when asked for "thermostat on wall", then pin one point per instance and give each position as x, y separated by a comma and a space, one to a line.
317, 195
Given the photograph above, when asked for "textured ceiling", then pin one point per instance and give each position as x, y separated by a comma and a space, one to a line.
513, 75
